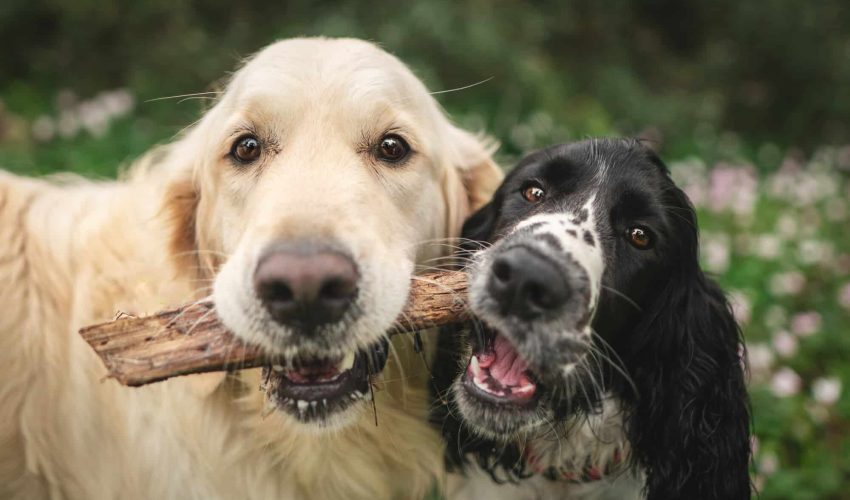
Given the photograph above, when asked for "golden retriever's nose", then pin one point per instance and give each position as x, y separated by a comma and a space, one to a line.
306, 289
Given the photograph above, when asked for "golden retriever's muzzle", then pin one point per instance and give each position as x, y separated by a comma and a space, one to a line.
305, 287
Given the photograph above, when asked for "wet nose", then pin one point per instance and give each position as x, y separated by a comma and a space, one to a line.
526, 284
306, 289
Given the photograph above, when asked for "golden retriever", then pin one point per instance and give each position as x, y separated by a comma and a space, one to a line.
302, 202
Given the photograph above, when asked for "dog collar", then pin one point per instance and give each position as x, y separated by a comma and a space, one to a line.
590, 472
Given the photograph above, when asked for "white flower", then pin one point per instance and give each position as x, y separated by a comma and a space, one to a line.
786, 226
716, 252
826, 390
760, 358
806, 324
812, 251
767, 246
768, 464
785, 383
785, 344
741, 307
775, 317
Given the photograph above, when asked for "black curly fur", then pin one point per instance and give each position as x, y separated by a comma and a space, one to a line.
687, 412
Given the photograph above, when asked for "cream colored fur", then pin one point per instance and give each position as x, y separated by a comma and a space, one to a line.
74, 252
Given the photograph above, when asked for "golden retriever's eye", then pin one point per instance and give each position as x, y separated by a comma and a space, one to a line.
640, 237
392, 149
246, 149
533, 193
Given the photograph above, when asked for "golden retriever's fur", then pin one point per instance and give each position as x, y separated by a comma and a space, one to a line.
74, 252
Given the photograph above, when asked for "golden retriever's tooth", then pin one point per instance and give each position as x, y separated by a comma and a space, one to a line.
277, 368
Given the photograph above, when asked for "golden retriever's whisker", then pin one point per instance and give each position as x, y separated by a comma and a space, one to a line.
195, 94
457, 89
432, 269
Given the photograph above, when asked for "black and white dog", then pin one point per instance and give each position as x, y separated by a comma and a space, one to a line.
604, 363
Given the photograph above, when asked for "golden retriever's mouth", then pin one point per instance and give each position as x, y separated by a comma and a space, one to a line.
313, 389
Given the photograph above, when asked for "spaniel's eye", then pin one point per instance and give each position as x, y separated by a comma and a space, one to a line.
246, 149
639, 237
533, 193
392, 149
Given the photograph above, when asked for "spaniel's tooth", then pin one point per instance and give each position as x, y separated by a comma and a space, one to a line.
302, 406
476, 369
353, 396
347, 362
324, 402
368, 396
359, 394
277, 368
313, 405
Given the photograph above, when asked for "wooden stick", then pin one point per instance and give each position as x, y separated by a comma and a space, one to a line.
191, 339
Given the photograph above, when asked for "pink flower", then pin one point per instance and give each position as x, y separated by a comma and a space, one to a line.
806, 324
785, 344
733, 189
785, 383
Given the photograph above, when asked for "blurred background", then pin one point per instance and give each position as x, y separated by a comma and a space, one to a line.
748, 102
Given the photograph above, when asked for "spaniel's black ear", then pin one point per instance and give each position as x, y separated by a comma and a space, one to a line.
480, 226
689, 421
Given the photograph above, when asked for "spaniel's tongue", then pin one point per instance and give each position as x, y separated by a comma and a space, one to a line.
501, 371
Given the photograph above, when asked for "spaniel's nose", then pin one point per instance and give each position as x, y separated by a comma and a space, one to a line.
306, 289
526, 285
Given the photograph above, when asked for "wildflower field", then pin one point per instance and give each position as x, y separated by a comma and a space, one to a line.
779, 243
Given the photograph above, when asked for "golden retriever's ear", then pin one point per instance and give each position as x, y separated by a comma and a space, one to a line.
473, 180
180, 207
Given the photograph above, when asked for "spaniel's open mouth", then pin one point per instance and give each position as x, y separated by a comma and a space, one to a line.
498, 374
313, 389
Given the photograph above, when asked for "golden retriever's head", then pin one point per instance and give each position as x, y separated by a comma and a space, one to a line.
321, 176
